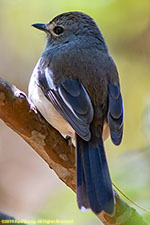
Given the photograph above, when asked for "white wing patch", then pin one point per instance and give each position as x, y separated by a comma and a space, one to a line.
49, 77
67, 103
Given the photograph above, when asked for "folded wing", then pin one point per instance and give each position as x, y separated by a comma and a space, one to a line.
115, 113
70, 99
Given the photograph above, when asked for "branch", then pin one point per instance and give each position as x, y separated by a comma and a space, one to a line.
21, 115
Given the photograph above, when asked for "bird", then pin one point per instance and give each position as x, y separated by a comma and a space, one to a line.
75, 86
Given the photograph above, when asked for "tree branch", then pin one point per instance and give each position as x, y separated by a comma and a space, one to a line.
21, 115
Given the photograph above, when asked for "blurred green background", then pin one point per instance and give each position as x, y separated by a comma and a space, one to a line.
35, 191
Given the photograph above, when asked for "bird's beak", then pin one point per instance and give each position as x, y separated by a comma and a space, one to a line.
40, 26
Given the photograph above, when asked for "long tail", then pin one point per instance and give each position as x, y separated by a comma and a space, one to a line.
94, 188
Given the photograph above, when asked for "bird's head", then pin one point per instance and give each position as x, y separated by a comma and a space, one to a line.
67, 26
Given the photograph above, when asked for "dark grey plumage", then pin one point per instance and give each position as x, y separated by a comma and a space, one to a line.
78, 77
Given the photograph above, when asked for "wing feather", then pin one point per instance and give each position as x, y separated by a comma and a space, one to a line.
115, 113
70, 99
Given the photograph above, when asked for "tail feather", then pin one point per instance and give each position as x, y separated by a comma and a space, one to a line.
94, 178
82, 197
90, 187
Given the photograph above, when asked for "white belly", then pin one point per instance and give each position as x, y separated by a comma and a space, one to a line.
49, 112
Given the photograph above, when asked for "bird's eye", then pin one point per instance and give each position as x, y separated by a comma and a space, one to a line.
58, 30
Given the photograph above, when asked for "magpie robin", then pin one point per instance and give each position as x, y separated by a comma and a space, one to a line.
75, 86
